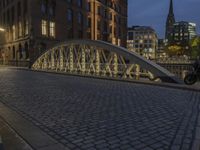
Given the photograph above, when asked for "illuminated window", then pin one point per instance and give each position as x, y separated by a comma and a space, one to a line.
52, 29
26, 27
13, 31
20, 29
44, 27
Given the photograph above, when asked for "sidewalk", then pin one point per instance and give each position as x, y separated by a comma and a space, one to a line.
19, 134
10, 140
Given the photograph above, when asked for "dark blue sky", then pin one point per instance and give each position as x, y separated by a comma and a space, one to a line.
154, 13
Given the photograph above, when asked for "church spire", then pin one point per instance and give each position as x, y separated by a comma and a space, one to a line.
171, 9
170, 21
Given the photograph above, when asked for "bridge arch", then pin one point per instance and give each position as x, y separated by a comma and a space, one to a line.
99, 58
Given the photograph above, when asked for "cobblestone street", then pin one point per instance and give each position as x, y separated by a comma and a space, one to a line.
88, 114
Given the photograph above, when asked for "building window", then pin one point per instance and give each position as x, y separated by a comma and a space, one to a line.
69, 15
12, 14
80, 34
99, 10
25, 6
52, 29
44, 6
80, 18
14, 32
13, 52
99, 25
44, 27
88, 7
79, 3
70, 33
19, 9
69, 1
89, 22
20, 28
52, 9
26, 27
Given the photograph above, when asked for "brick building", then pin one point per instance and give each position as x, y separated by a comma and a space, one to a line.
32, 26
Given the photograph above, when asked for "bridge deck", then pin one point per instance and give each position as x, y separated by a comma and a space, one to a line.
85, 113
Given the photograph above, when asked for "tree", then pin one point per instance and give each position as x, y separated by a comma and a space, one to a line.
174, 50
195, 47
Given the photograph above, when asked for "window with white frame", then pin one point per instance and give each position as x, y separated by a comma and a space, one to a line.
52, 29
44, 27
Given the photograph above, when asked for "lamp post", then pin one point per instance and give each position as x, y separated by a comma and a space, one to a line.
31, 48
2, 39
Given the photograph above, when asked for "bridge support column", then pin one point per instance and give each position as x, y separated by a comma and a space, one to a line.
97, 63
137, 72
115, 65
83, 66
45, 63
52, 60
71, 61
61, 59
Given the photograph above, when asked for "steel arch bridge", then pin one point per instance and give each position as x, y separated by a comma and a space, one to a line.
99, 58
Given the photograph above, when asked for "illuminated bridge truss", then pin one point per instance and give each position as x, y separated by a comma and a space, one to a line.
98, 58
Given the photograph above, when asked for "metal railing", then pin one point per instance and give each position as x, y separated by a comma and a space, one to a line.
179, 70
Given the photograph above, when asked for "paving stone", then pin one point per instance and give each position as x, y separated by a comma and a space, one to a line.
81, 112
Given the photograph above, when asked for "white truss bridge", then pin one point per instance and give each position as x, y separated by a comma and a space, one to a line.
98, 58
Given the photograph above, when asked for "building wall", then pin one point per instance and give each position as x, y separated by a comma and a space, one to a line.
108, 22
142, 40
183, 32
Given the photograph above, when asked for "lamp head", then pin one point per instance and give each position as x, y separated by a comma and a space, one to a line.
2, 29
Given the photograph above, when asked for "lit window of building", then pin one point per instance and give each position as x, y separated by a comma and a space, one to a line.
142, 40
44, 27
99, 19
20, 29
14, 32
52, 29
26, 27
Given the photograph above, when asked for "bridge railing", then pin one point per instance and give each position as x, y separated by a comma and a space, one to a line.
180, 70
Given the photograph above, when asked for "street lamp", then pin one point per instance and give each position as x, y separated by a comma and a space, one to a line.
2, 29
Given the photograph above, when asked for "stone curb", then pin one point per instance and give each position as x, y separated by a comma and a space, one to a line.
31, 134
167, 85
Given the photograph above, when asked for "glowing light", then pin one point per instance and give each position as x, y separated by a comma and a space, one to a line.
2, 29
